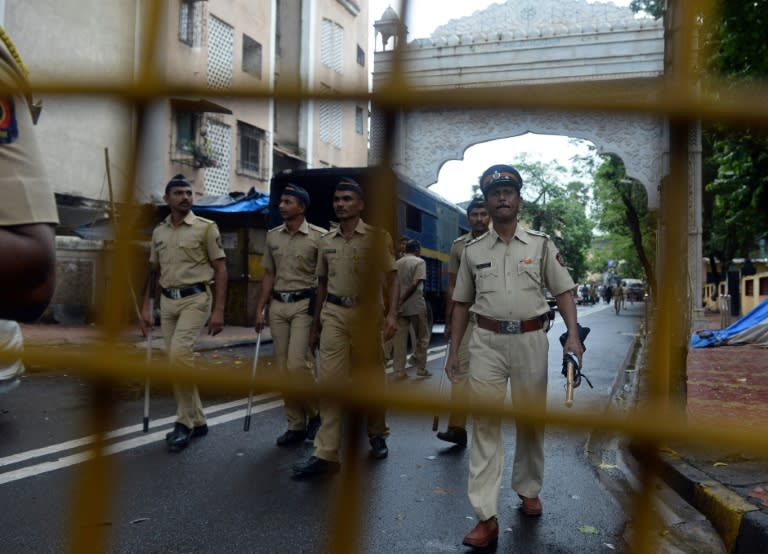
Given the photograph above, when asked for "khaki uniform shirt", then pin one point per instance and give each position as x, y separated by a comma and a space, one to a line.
345, 262
506, 281
185, 252
293, 258
27, 196
454, 257
409, 269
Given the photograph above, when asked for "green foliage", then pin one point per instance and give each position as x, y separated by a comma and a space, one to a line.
735, 160
654, 8
557, 209
621, 211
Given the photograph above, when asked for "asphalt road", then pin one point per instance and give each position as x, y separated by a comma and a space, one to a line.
232, 491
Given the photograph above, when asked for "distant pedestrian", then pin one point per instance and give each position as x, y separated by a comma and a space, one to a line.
289, 261
185, 256
501, 281
412, 312
347, 254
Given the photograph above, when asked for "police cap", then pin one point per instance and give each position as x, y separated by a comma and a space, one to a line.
177, 180
498, 175
297, 191
345, 183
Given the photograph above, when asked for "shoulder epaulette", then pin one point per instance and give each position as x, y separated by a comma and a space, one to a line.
204, 219
536, 233
476, 239
461, 238
317, 228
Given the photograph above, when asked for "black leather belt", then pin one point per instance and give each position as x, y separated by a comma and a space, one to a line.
346, 301
183, 292
514, 327
293, 296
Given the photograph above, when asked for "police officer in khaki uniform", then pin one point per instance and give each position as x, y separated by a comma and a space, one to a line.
185, 256
28, 207
349, 253
412, 311
289, 281
501, 280
478, 217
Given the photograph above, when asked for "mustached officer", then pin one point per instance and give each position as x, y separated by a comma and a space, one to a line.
289, 282
185, 256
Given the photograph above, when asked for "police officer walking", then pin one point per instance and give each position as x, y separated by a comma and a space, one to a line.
501, 280
478, 217
289, 281
412, 311
185, 256
347, 254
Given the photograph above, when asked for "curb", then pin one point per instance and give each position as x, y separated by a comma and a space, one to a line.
742, 525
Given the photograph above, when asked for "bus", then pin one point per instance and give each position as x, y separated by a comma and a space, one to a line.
421, 215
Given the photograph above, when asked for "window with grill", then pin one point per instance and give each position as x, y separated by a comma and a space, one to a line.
251, 141
186, 130
190, 22
331, 122
763, 286
251, 57
332, 45
749, 287
359, 121
412, 218
360, 56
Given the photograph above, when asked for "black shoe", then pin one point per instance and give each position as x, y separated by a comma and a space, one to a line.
179, 438
199, 430
379, 448
291, 437
313, 425
456, 435
315, 466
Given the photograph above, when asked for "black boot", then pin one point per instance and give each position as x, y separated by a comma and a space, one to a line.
456, 435
179, 438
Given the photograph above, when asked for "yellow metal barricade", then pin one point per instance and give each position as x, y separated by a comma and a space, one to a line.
661, 419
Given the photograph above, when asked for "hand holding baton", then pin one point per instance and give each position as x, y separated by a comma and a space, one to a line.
247, 422
436, 419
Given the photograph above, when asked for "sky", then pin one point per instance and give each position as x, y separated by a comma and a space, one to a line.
457, 176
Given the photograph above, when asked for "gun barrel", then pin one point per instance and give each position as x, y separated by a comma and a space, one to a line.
569, 385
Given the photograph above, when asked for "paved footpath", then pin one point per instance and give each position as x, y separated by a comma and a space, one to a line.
726, 384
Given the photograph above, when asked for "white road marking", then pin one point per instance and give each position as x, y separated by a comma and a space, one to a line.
141, 440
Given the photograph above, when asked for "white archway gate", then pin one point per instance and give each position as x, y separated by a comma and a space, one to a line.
551, 46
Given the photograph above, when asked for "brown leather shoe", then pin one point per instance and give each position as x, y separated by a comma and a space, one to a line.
484, 534
530, 506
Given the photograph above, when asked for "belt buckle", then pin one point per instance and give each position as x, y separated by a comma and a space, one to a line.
175, 293
285, 296
511, 327
347, 301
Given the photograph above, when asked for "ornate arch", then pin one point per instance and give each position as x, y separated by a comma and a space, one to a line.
431, 138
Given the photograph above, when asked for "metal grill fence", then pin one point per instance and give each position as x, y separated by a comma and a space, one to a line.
659, 420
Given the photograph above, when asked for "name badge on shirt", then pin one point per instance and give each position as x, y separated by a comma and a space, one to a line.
330, 250
483, 266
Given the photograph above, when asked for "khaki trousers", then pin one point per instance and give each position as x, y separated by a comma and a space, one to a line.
460, 390
339, 361
289, 324
181, 321
496, 358
400, 346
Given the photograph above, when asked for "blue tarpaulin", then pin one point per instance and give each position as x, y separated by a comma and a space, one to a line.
750, 329
250, 203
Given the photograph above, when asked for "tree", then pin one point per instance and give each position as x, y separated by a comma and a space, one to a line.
621, 210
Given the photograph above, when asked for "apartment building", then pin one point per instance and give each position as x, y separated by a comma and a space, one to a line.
222, 143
